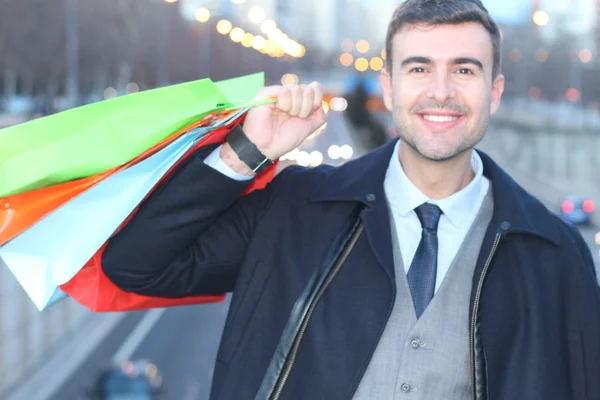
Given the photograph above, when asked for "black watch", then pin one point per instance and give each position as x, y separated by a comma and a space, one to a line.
247, 151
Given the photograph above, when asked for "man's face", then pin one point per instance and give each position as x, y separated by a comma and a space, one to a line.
440, 91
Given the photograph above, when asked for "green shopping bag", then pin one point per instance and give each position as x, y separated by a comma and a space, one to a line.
90, 139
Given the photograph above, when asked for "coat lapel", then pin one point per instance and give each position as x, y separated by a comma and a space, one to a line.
362, 180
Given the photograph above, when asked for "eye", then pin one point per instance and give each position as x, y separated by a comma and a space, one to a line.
418, 69
465, 71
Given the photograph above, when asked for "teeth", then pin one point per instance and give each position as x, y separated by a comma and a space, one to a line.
440, 118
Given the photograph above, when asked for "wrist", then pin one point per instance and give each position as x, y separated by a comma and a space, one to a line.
230, 157
246, 152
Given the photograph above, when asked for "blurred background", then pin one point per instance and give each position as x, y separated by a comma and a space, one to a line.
58, 54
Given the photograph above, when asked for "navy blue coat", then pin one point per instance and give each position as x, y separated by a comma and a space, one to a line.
535, 309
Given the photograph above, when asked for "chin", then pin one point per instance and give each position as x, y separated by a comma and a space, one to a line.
440, 154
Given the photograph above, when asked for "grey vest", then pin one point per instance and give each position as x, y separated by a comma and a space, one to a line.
428, 359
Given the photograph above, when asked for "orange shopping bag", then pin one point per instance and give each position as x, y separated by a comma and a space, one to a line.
92, 288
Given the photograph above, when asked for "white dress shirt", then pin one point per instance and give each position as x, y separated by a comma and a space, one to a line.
459, 210
214, 160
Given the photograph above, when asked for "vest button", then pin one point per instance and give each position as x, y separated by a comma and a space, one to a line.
415, 343
405, 388
370, 197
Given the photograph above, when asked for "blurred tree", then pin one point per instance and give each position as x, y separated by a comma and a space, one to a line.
120, 41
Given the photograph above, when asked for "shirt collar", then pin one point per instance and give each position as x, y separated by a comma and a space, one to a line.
403, 196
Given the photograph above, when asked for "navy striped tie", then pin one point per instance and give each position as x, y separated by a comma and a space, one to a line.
423, 269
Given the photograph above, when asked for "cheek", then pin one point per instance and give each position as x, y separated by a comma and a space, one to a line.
476, 98
406, 95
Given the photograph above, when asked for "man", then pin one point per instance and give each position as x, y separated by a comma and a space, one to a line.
419, 271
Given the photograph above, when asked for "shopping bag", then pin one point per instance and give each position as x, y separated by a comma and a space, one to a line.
92, 288
53, 250
19, 212
91, 139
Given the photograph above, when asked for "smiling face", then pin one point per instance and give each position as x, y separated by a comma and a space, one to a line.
440, 90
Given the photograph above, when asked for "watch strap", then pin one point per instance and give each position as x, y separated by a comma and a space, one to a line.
247, 151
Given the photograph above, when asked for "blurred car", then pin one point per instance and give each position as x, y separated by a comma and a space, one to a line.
577, 210
132, 380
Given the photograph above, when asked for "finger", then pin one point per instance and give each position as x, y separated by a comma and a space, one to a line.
269, 92
318, 100
307, 102
597, 238
297, 97
284, 100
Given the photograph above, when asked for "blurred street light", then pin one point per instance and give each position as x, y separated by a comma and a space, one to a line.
247, 41
259, 42
346, 59
376, 64
541, 55
361, 64
585, 56
362, 46
346, 152
383, 54
110, 93
202, 14
535, 92
572, 94
237, 34
268, 26
334, 152
132, 87
541, 18
270, 46
170, 1
514, 55
347, 45
224, 27
303, 159
316, 158
289, 79
338, 104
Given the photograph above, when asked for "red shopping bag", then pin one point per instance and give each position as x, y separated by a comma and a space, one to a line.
92, 288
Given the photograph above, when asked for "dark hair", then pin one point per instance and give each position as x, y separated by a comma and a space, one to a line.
441, 12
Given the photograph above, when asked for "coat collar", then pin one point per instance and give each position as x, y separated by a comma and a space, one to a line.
514, 209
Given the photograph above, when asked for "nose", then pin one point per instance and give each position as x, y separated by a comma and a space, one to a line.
442, 88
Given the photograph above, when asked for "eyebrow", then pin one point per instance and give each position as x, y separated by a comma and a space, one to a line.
468, 60
456, 61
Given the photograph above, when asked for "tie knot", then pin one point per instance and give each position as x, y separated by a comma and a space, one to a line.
429, 215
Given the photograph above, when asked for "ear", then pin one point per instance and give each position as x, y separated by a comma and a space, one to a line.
497, 90
386, 84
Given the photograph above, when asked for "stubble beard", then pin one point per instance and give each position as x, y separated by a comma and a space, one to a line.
410, 137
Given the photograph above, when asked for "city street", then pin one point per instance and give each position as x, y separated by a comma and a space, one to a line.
89, 85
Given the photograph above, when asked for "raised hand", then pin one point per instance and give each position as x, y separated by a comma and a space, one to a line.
278, 128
